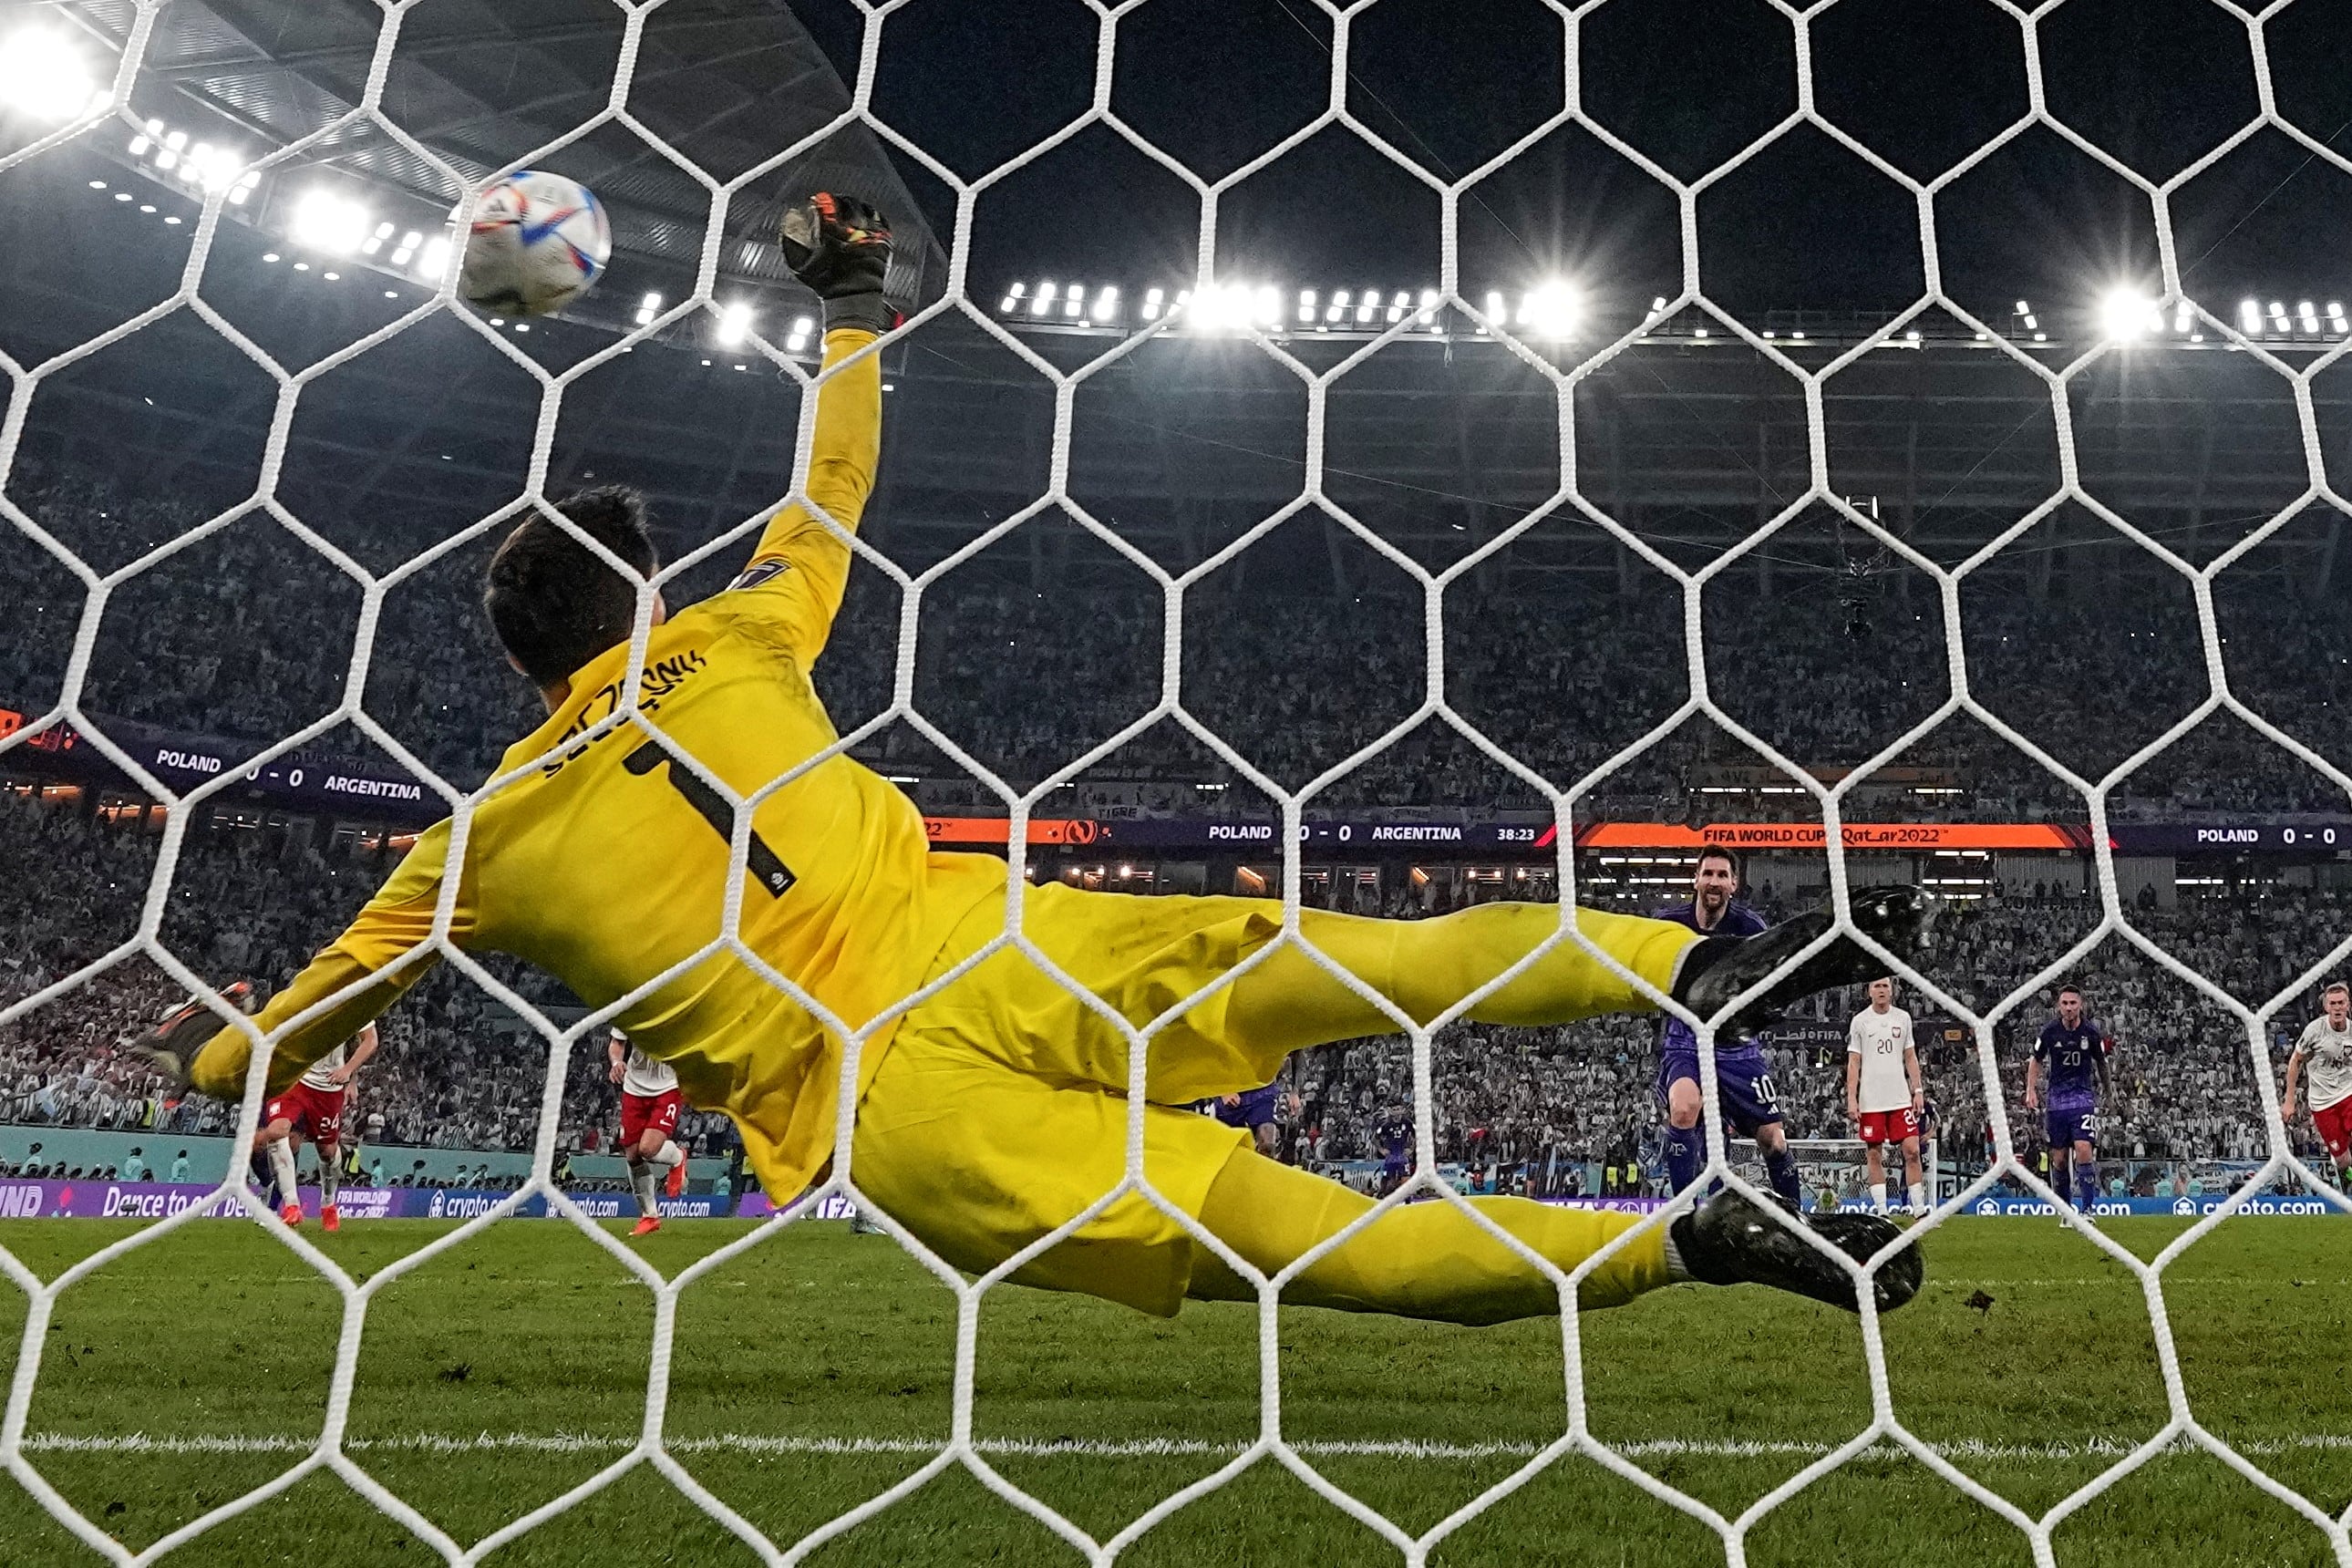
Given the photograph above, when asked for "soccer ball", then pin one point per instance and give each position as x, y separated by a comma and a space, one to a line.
539, 241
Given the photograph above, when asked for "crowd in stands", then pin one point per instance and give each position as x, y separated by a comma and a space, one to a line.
247, 633
226, 639
458, 1071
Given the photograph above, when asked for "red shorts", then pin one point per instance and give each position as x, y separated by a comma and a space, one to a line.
319, 1112
639, 1111
2334, 1125
1890, 1126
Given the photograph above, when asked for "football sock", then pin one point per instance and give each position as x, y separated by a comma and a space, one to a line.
1919, 1195
260, 1177
1878, 1196
1782, 1168
1676, 1269
1686, 1153
2087, 1184
330, 1180
642, 1180
281, 1164
1422, 1260
669, 1154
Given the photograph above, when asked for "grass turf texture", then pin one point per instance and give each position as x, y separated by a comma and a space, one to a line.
530, 1332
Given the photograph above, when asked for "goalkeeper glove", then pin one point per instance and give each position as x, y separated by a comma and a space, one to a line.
171, 1047
840, 248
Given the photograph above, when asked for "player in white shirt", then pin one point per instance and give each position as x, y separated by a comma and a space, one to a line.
650, 1102
1882, 1092
2325, 1049
314, 1105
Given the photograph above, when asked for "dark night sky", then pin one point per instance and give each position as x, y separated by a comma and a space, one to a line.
1805, 223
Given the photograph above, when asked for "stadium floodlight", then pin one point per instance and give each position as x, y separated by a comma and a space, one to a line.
173, 142
1494, 310
434, 259
217, 168
2250, 315
1074, 304
2278, 315
1152, 300
734, 322
1106, 303
2307, 314
2181, 316
2125, 314
1551, 310
647, 308
1306, 305
1042, 303
375, 242
247, 182
1367, 305
1337, 311
797, 339
1428, 317
404, 252
1269, 306
145, 139
1219, 307
325, 221
44, 76
1012, 298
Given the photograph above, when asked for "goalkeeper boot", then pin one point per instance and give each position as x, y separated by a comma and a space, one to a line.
171, 1045
1719, 968
1730, 1240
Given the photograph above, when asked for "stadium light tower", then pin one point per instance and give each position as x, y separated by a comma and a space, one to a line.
44, 76
2125, 313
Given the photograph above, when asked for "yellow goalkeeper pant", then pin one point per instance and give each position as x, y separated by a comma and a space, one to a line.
1001, 1111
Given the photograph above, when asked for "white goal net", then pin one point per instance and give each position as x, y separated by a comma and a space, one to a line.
1214, 300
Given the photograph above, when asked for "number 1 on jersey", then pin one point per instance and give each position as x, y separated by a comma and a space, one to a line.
766, 866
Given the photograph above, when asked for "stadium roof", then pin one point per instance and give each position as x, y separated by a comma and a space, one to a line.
1434, 444
726, 84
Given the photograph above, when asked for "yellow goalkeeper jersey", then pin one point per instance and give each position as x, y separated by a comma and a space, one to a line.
606, 863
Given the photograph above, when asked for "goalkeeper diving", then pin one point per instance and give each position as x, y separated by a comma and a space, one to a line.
994, 1111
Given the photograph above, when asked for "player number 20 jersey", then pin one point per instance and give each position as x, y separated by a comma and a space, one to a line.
1880, 1040
2071, 1057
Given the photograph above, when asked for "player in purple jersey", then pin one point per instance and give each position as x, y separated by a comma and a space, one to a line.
2075, 1053
1743, 1077
1393, 1136
1254, 1111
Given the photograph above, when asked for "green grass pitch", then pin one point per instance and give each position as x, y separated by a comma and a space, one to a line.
513, 1367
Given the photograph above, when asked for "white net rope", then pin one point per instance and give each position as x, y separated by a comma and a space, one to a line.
332, 1451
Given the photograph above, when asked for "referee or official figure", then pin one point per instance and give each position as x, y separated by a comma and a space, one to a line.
997, 1109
